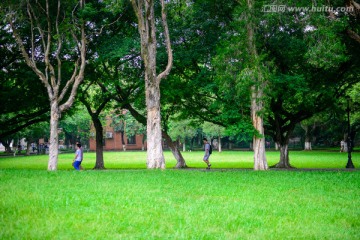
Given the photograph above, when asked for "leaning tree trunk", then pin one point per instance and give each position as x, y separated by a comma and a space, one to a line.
180, 161
54, 136
99, 164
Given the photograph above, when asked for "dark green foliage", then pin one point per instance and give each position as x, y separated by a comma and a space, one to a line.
23, 99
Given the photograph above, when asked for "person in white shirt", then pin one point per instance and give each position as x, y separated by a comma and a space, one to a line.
78, 157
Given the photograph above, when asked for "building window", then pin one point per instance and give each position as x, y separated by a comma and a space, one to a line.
109, 135
131, 140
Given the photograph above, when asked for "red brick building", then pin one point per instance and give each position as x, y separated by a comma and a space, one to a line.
113, 140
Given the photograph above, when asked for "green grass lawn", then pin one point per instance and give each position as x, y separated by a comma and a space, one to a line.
226, 159
179, 204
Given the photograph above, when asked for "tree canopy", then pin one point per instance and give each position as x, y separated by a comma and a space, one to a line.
245, 70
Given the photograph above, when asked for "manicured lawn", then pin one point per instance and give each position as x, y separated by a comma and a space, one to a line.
179, 204
226, 159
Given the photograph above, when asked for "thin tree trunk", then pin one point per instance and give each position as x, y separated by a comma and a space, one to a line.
123, 140
54, 136
219, 140
28, 146
143, 143
99, 164
307, 130
345, 149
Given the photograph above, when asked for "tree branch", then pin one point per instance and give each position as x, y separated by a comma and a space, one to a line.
58, 50
24, 53
80, 75
166, 72
353, 35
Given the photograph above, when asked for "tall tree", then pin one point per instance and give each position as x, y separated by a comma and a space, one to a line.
95, 99
315, 67
53, 29
190, 91
144, 10
257, 91
241, 74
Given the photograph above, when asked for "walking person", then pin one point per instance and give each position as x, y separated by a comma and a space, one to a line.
82, 154
208, 151
78, 157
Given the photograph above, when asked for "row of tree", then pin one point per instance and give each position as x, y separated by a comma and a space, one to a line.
230, 63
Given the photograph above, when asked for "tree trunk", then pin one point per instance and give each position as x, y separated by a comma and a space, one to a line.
59, 91
307, 145
6, 144
123, 140
54, 136
219, 140
184, 146
175, 151
260, 162
144, 10
28, 146
143, 143
284, 157
155, 156
345, 149
99, 164
307, 138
